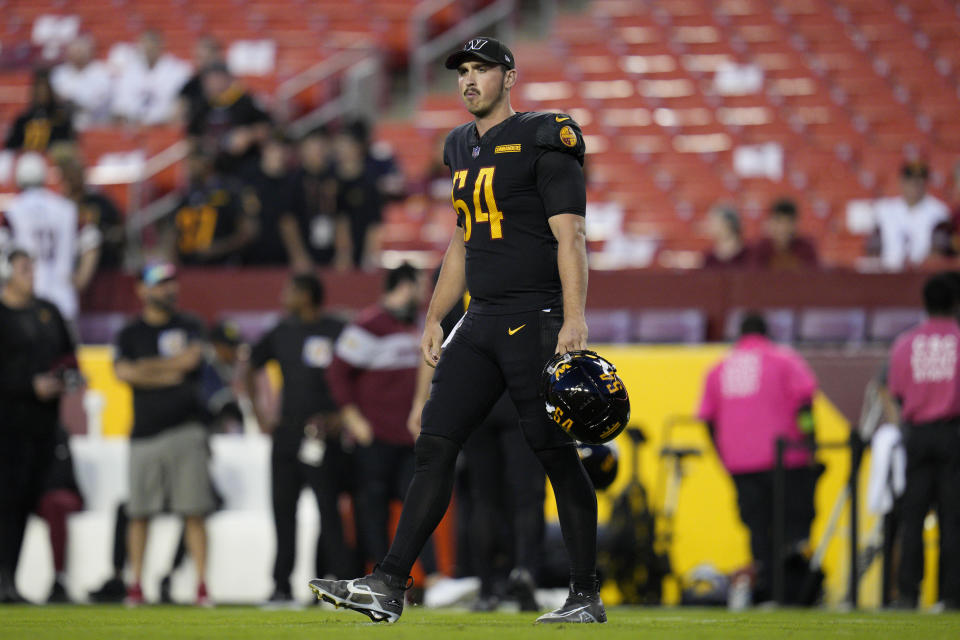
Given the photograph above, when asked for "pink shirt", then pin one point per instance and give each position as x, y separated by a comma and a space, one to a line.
923, 371
752, 397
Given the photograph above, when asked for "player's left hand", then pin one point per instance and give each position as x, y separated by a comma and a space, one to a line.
573, 335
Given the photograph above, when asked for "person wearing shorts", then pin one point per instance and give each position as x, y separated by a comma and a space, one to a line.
159, 354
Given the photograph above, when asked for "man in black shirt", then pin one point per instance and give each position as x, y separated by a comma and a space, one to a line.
268, 200
306, 441
96, 209
44, 122
159, 354
520, 198
228, 123
208, 225
315, 204
35, 369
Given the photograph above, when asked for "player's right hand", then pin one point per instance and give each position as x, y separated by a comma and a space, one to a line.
431, 343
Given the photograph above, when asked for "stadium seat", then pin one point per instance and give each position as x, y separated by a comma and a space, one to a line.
609, 325
832, 326
887, 324
684, 326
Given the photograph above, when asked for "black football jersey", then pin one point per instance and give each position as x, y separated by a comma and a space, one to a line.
505, 187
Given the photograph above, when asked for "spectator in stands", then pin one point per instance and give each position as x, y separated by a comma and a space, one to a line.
228, 122
728, 250
268, 200
84, 83
923, 381
208, 226
95, 208
61, 497
44, 122
783, 248
373, 379
758, 393
146, 92
359, 201
36, 369
380, 161
946, 235
315, 204
306, 441
159, 354
206, 53
65, 247
906, 223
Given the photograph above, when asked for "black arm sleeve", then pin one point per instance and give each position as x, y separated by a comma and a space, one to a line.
262, 352
561, 184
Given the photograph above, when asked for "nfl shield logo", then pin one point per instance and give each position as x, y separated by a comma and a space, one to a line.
476, 151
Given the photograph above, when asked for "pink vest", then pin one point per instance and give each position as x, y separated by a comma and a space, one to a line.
752, 397
923, 371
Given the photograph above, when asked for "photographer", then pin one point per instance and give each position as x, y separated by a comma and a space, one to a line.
37, 367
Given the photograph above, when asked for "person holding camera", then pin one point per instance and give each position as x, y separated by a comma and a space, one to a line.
38, 366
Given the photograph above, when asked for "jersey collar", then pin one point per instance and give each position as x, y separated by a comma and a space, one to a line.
475, 138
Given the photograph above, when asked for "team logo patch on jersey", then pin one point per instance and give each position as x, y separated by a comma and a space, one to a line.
172, 342
317, 351
507, 148
568, 137
476, 151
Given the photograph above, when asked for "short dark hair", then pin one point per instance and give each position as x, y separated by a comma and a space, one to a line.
406, 272
939, 295
785, 207
311, 285
731, 217
753, 324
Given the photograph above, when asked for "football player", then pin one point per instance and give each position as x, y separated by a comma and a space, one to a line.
519, 246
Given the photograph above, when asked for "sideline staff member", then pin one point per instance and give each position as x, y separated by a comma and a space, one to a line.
758, 393
36, 351
306, 442
159, 354
924, 381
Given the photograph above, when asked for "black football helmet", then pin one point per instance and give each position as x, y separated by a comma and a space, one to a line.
585, 396
601, 462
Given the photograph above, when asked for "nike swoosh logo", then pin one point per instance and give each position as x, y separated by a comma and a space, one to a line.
513, 331
569, 614
364, 590
559, 119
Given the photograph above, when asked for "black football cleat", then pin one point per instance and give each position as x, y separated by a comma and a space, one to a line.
375, 596
521, 586
579, 607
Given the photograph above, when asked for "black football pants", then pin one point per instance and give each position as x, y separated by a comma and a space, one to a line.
755, 500
289, 476
24, 464
507, 508
486, 355
933, 480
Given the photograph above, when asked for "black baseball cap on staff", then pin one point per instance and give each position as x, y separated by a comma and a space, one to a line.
483, 48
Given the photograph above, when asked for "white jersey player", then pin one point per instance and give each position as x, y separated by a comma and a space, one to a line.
46, 225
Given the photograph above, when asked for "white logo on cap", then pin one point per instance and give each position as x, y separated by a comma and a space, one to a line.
507, 58
473, 45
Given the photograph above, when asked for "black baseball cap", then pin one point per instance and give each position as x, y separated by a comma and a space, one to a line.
225, 332
915, 169
483, 48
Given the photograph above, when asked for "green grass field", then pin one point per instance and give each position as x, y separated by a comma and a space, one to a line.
238, 623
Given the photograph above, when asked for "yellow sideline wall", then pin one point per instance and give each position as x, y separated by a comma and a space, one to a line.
664, 382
